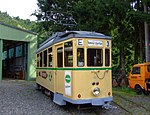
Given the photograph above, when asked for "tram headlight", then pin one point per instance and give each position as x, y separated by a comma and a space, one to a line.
96, 91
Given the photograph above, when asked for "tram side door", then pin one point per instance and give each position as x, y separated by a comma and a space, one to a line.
59, 82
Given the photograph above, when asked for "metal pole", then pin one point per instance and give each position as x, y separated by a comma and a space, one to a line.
147, 50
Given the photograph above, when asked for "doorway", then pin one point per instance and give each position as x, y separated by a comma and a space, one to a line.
14, 64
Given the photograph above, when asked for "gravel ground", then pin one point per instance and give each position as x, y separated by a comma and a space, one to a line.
19, 97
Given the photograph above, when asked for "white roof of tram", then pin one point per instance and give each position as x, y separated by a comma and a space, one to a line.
61, 36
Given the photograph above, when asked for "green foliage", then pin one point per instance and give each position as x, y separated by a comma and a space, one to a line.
140, 16
146, 1
17, 22
124, 90
91, 15
122, 19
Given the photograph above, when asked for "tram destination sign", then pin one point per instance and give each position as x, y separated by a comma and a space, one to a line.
95, 43
80, 42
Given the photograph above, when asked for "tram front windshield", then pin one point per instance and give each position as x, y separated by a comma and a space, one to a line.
94, 57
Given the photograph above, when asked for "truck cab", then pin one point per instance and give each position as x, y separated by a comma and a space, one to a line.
139, 78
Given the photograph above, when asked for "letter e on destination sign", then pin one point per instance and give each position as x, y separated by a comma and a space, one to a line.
80, 42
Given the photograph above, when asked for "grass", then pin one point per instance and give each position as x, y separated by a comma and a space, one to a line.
124, 90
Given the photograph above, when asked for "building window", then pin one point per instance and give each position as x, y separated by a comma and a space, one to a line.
80, 57
18, 51
11, 53
68, 54
94, 57
107, 57
59, 57
136, 70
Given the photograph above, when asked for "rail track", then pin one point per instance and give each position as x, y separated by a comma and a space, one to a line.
72, 109
83, 109
125, 104
130, 106
122, 108
96, 110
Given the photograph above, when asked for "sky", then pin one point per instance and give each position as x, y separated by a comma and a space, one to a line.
21, 8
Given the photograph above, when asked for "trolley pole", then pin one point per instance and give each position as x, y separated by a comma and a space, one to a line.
147, 50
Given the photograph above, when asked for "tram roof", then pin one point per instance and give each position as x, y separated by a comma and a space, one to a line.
61, 36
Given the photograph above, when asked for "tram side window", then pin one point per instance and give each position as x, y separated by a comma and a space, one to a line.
68, 54
40, 59
94, 57
45, 58
80, 57
49, 50
50, 57
59, 57
107, 57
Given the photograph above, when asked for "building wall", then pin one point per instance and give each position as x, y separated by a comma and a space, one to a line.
31, 68
16, 34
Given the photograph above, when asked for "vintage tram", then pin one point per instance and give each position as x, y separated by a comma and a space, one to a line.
75, 67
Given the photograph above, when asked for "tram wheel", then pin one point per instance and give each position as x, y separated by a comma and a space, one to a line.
52, 96
38, 87
138, 90
146, 92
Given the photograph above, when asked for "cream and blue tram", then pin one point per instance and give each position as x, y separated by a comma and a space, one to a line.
75, 67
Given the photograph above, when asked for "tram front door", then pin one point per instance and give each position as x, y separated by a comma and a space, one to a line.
59, 71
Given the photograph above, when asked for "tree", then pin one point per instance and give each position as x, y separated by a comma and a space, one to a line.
147, 46
93, 15
16, 21
122, 19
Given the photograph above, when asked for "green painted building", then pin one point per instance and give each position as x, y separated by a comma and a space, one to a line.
17, 53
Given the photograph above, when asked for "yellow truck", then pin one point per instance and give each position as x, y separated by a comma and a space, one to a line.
139, 78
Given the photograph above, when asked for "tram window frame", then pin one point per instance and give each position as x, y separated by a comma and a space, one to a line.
80, 57
38, 60
45, 58
68, 54
107, 57
92, 57
60, 57
50, 57
41, 58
